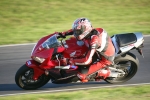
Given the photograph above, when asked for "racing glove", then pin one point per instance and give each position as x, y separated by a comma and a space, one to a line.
61, 35
71, 61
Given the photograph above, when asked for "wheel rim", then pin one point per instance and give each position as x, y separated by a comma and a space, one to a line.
26, 79
128, 68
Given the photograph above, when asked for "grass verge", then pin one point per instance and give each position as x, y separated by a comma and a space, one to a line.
23, 21
118, 93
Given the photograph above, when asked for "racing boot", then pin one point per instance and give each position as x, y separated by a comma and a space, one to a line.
103, 73
82, 77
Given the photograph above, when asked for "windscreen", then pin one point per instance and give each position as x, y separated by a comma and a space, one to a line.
51, 42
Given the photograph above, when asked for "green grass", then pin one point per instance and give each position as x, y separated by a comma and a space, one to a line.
23, 21
118, 93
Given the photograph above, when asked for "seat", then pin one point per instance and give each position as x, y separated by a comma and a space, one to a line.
125, 39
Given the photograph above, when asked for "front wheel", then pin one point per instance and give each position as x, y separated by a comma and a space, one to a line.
129, 64
24, 79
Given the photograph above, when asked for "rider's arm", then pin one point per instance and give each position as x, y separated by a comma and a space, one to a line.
69, 32
86, 60
64, 34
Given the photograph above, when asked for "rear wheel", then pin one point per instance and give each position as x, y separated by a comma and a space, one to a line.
24, 79
129, 64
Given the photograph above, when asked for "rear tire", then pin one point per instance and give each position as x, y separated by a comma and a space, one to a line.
24, 79
134, 63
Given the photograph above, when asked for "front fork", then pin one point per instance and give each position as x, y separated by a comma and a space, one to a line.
37, 70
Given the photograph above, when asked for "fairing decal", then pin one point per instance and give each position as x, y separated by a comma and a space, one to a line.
35, 66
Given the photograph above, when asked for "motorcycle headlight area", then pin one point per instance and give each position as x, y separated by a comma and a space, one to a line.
38, 59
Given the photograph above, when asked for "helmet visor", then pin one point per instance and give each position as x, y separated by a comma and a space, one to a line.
77, 32
80, 31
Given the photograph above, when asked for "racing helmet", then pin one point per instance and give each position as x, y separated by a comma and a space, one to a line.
81, 28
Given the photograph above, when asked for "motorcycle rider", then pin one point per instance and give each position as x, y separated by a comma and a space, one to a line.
97, 40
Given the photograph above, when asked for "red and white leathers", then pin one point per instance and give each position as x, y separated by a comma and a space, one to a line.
100, 42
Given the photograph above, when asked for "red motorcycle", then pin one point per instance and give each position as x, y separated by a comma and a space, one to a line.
51, 54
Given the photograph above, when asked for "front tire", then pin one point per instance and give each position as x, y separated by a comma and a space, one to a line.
24, 79
126, 59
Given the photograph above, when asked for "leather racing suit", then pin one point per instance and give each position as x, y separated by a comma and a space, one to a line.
98, 41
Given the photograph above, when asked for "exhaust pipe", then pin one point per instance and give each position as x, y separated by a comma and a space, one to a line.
115, 72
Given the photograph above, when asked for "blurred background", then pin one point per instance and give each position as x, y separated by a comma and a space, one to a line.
26, 21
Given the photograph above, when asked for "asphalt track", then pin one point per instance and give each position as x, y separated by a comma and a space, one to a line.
12, 57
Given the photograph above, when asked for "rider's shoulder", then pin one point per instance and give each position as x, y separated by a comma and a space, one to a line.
99, 29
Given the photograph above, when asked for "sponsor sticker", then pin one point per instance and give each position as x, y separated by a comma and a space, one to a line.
29, 62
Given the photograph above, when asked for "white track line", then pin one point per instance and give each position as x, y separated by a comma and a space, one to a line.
75, 89
35, 43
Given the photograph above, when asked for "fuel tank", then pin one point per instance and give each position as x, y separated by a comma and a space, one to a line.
74, 48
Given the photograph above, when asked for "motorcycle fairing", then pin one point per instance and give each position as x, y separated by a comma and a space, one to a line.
37, 46
41, 50
35, 66
47, 53
74, 48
